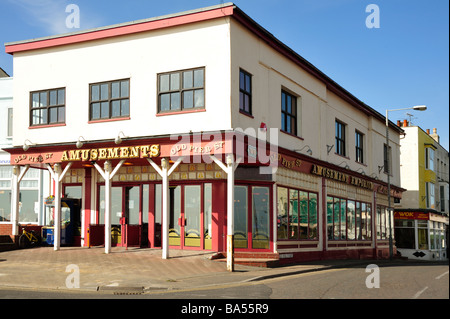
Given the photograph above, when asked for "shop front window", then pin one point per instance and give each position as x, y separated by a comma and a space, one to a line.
422, 234
297, 214
404, 234
348, 219
282, 218
261, 221
28, 206
240, 217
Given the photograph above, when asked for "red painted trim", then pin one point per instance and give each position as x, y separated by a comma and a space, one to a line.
180, 112
46, 126
110, 120
121, 30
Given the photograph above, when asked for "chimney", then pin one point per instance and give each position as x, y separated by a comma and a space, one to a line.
435, 135
428, 131
399, 123
405, 123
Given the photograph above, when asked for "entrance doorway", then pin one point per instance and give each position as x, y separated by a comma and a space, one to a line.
190, 213
126, 214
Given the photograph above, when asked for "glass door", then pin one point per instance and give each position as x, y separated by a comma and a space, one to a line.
175, 216
116, 213
192, 214
130, 226
252, 215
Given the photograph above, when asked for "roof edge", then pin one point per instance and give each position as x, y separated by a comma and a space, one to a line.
121, 28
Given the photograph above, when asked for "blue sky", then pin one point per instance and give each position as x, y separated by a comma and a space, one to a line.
404, 62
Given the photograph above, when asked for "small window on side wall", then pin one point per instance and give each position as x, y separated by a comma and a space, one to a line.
288, 113
245, 92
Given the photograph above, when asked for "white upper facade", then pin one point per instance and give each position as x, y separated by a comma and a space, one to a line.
223, 42
6, 106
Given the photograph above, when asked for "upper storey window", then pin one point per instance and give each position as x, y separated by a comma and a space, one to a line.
181, 90
245, 92
109, 100
48, 107
288, 113
340, 138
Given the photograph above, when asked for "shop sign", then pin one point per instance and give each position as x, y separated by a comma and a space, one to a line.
329, 173
98, 154
411, 215
341, 177
285, 162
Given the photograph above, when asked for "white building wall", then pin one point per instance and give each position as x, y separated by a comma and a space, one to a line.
139, 57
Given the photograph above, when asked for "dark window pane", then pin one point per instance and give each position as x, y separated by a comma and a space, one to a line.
175, 81
104, 91
61, 114
95, 92
44, 116
199, 98
164, 83
242, 80
61, 97
115, 108
247, 104
188, 99
53, 97
198, 78
35, 117
95, 110
248, 84
187, 80
53, 115
175, 102
164, 102
124, 88
115, 90
125, 107
35, 100
43, 99
105, 110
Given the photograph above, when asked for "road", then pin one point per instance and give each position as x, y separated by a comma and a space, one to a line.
412, 281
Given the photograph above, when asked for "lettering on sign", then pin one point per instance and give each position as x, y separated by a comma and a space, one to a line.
341, 177
98, 154
329, 173
193, 149
38, 158
289, 163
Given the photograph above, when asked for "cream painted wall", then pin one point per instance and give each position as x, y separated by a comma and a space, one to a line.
319, 108
139, 57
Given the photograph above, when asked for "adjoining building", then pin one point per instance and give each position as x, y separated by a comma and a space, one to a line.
421, 217
199, 130
34, 185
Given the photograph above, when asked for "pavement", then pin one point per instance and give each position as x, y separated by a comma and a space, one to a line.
134, 270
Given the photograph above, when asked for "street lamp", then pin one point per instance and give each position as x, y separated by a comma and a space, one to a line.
388, 170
